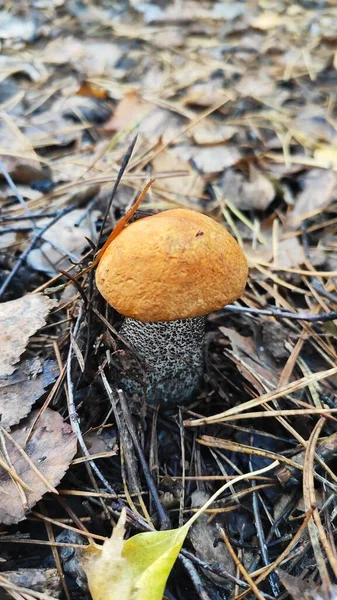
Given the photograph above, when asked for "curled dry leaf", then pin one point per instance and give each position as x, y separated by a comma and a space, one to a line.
19, 391
19, 319
23, 170
37, 466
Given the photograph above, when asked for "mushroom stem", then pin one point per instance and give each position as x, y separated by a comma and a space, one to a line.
173, 353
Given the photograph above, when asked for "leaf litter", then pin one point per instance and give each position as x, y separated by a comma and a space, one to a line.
19, 320
233, 104
37, 465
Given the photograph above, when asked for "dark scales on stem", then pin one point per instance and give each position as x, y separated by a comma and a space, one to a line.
173, 353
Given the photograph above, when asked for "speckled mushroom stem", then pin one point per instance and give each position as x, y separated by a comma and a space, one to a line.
173, 353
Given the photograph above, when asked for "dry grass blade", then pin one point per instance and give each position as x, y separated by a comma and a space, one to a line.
268, 397
212, 442
240, 566
316, 530
272, 567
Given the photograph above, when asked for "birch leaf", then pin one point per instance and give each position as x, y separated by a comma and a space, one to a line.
136, 569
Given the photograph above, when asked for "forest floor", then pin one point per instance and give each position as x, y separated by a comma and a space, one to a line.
234, 107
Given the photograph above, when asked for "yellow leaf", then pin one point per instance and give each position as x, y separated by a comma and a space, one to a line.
136, 569
109, 575
152, 556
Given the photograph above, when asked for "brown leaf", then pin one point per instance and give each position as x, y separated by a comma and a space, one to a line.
92, 57
300, 589
209, 159
50, 449
66, 237
203, 535
19, 319
319, 189
253, 359
23, 170
290, 253
256, 193
190, 185
131, 109
92, 91
20, 390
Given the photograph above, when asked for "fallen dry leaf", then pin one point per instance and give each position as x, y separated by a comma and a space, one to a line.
93, 57
312, 123
50, 449
161, 124
209, 159
290, 253
186, 185
13, 27
256, 84
135, 569
20, 390
66, 237
301, 589
132, 109
253, 359
202, 535
205, 94
19, 319
208, 133
267, 20
10, 240
256, 193
319, 189
24, 170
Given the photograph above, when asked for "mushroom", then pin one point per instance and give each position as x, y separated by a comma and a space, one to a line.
164, 273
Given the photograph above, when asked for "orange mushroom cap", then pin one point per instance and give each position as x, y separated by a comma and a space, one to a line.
177, 264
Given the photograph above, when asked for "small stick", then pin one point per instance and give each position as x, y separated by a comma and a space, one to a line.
282, 314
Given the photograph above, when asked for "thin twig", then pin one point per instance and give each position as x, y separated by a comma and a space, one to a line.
195, 578
279, 313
